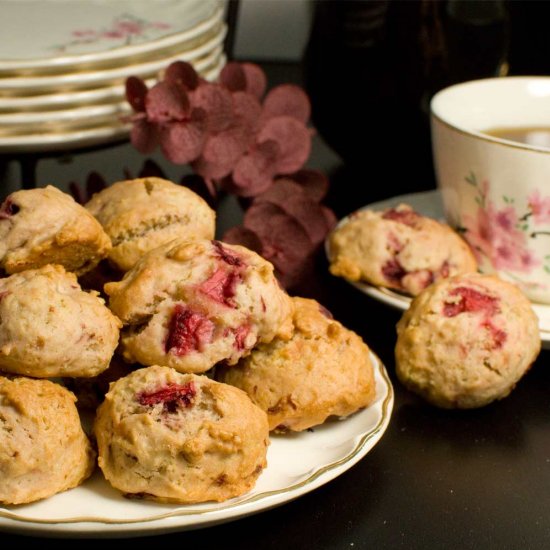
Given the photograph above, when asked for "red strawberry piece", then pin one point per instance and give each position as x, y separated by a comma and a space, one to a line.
393, 271
171, 396
470, 301
188, 331
405, 216
228, 256
498, 336
240, 336
221, 286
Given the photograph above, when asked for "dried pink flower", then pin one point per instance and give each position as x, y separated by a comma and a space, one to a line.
222, 129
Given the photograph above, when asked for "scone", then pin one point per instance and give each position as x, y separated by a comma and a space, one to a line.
323, 370
46, 226
190, 304
399, 249
180, 437
49, 327
141, 214
43, 449
466, 341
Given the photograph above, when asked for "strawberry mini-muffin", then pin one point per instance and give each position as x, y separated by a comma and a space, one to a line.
323, 370
190, 304
466, 341
180, 438
43, 449
399, 249
50, 327
46, 226
141, 214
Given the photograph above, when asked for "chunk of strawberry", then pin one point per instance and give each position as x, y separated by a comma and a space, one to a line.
221, 286
471, 300
188, 331
171, 396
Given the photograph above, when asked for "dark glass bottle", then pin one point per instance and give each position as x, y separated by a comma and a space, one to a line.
371, 68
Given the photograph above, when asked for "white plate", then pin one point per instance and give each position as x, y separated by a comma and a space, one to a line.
297, 464
66, 33
429, 204
61, 100
201, 57
48, 140
92, 114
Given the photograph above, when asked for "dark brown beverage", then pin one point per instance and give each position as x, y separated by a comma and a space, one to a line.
532, 135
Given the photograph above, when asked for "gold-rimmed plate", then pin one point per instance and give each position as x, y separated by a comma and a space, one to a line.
297, 464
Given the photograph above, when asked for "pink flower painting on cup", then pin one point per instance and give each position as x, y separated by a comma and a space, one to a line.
501, 234
539, 207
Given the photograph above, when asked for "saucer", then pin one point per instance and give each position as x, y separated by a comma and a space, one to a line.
429, 203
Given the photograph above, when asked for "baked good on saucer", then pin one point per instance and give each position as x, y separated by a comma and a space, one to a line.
178, 437
141, 214
190, 304
397, 248
323, 370
46, 226
466, 341
43, 449
49, 327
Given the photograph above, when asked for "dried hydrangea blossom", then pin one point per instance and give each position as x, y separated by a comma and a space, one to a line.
287, 224
224, 130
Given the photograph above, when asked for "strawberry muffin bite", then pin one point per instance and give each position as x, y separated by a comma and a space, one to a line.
191, 304
323, 370
180, 438
141, 214
46, 226
49, 327
43, 449
466, 341
398, 249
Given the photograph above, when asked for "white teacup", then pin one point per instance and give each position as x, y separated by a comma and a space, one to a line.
496, 191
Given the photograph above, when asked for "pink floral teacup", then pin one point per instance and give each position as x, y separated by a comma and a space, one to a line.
495, 188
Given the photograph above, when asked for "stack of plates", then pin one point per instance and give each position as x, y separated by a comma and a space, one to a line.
63, 63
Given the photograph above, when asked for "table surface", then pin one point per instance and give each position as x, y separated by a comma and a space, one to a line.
437, 479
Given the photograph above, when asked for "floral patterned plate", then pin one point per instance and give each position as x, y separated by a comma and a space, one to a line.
429, 204
67, 34
297, 464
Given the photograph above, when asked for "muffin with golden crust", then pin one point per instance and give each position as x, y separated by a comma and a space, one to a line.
323, 370
43, 449
49, 327
399, 249
141, 214
182, 438
46, 226
191, 304
466, 341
